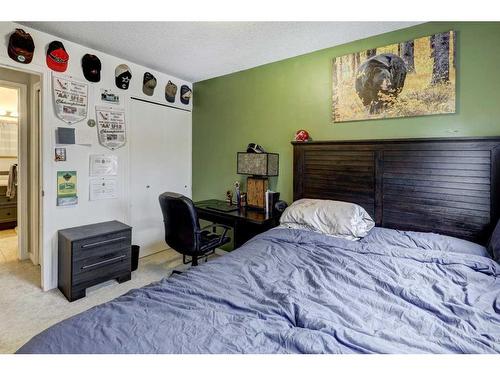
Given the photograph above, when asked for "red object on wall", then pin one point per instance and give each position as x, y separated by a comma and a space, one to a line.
301, 135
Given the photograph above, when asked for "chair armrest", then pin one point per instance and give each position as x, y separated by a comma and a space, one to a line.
214, 225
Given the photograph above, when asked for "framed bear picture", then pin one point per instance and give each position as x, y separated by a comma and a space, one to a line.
413, 78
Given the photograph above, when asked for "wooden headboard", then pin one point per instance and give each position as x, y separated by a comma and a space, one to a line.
444, 185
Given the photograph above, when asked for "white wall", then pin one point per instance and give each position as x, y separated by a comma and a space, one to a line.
55, 218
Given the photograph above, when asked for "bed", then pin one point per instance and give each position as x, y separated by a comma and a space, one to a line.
397, 290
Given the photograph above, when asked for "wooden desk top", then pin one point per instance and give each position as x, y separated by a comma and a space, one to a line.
253, 215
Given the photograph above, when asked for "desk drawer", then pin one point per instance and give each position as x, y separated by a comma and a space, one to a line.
99, 246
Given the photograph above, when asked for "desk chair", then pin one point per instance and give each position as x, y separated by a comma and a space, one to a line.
183, 232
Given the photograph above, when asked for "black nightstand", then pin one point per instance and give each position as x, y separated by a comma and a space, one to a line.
91, 254
246, 222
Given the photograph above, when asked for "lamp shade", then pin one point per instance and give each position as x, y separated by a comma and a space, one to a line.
265, 164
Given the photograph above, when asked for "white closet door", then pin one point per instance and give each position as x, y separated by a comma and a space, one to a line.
160, 159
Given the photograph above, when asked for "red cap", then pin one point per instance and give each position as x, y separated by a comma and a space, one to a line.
57, 57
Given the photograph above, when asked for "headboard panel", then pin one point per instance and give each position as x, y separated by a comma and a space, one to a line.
447, 186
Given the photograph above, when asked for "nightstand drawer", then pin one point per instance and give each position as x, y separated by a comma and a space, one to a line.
116, 265
8, 213
103, 260
5, 201
101, 245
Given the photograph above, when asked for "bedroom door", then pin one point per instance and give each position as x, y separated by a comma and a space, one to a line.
160, 160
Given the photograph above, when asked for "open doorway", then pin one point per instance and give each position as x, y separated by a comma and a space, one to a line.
20, 175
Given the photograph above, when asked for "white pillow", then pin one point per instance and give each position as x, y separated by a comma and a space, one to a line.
335, 218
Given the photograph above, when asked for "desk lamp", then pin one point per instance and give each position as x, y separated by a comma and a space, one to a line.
259, 166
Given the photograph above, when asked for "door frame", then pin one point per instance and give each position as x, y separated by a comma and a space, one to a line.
44, 83
35, 177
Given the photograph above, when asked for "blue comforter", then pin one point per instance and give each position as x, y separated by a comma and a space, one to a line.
292, 291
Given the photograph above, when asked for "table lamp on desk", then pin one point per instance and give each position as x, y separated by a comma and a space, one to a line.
259, 166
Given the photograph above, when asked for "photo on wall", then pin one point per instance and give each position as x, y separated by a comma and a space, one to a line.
412, 78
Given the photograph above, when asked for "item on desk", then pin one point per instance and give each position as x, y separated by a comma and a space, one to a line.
229, 197
256, 191
259, 166
243, 200
238, 195
271, 198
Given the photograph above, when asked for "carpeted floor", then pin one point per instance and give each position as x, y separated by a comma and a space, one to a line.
26, 310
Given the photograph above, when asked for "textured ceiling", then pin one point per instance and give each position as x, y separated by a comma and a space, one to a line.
195, 51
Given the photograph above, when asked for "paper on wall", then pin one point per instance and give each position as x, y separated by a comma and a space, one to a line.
84, 137
103, 188
70, 99
103, 165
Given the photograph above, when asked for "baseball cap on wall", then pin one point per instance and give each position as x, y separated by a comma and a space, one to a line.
148, 84
122, 76
21, 47
186, 94
91, 66
170, 91
57, 57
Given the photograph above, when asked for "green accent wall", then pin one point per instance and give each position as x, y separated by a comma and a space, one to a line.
267, 104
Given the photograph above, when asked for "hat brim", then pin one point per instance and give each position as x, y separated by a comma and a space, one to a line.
92, 77
148, 90
170, 99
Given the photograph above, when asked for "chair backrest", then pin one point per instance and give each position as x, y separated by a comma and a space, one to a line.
181, 222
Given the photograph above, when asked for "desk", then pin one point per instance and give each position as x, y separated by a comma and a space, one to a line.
246, 222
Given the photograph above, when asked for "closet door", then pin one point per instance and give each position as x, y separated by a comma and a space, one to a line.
160, 160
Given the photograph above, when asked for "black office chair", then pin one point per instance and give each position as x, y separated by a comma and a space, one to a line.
183, 232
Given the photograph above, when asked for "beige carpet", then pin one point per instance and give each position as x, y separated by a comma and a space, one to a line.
26, 310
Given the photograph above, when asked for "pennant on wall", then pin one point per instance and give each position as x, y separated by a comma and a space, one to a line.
70, 99
111, 129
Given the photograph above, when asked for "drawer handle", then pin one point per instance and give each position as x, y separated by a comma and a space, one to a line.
103, 242
104, 262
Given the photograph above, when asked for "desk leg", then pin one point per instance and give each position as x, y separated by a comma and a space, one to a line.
239, 234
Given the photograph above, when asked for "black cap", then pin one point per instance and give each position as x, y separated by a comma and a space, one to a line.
254, 148
186, 94
91, 66
123, 75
